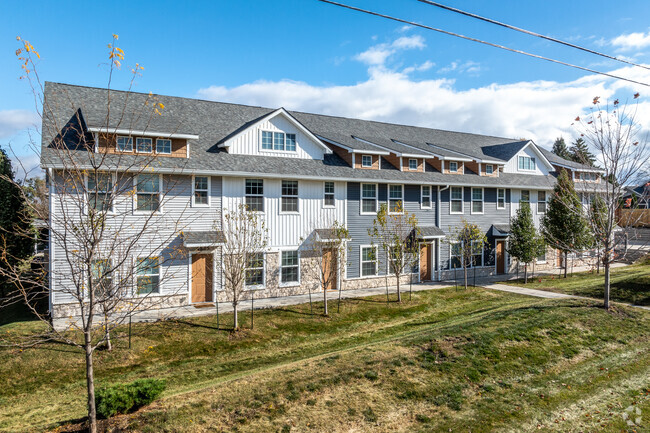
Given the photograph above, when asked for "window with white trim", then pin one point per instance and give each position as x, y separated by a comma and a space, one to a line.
368, 198
101, 276
453, 167
291, 142
267, 140
501, 198
148, 275
148, 192
456, 199
100, 190
541, 201
201, 191
455, 252
396, 259
425, 193
525, 196
255, 269
413, 164
278, 141
255, 195
477, 254
289, 267
542, 258
395, 198
366, 161
489, 169
163, 145
368, 261
477, 200
329, 199
526, 163
289, 196
124, 144
143, 145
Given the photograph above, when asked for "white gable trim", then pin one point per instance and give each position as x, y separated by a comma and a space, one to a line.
585, 170
471, 158
351, 150
538, 152
397, 153
286, 115
132, 132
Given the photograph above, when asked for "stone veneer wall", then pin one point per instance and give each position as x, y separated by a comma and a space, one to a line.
152, 302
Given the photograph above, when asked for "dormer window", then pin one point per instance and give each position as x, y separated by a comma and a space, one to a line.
125, 144
489, 169
143, 145
366, 161
278, 141
526, 163
588, 177
413, 164
453, 167
164, 146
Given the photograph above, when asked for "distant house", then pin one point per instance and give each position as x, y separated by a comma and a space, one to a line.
637, 196
297, 169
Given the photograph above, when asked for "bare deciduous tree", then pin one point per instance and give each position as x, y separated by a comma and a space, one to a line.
467, 241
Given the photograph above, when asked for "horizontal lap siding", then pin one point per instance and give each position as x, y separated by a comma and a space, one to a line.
162, 236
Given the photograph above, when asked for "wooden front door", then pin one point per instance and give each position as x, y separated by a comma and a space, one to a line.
329, 268
201, 278
501, 257
558, 255
425, 262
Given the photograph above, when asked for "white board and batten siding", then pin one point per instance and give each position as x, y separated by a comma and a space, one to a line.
286, 229
515, 196
249, 142
162, 236
512, 166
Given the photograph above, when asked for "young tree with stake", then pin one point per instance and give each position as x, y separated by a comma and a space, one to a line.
467, 241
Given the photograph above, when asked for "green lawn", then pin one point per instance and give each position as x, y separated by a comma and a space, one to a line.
450, 360
630, 284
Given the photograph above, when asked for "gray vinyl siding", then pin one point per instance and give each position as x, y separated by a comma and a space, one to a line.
491, 215
358, 225
163, 233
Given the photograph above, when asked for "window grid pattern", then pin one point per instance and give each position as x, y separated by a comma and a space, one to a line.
501, 198
368, 198
525, 196
366, 161
100, 186
368, 261
456, 197
477, 200
526, 163
163, 145
255, 269
453, 167
329, 194
396, 198
148, 192
148, 275
289, 267
267, 140
125, 144
489, 169
201, 190
413, 164
143, 145
289, 196
541, 201
426, 196
255, 195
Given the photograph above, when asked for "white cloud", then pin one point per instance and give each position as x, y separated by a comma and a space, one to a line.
419, 68
470, 67
538, 110
631, 41
13, 121
378, 54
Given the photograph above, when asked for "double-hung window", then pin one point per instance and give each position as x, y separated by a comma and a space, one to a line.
526, 163
525, 196
477, 200
102, 277
413, 164
329, 200
163, 145
541, 201
366, 161
148, 192
255, 195
289, 267
100, 191
426, 197
453, 167
456, 199
124, 144
501, 198
201, 191
278, 141
267, 140
289, 196
396, 259
396, 198
455, 252
291, 142
368, 261
477, 254
148, 275
143, 145
489, 169
255, 269
368, 198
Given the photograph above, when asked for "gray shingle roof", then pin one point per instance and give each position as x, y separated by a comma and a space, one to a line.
431, 232
203, 238
500, 230
213, 122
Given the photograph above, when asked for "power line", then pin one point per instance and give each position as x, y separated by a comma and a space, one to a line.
528, 32
559, 62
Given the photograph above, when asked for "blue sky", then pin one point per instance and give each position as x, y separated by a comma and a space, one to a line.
306, 55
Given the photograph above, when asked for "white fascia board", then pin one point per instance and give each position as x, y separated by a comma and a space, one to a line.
290, 118
538, 152
432, 237
584, 170
203, 245
181, 171
351, 150
397, 153
143, 133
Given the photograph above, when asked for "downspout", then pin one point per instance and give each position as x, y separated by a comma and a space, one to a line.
50, 246
438, 213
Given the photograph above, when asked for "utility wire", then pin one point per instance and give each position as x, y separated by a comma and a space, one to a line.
528, 32
559, 62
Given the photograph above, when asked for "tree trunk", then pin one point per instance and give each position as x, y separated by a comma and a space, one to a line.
235, 319
598, 261
90, 383
607, 285
566, 262
326, 311
399, 295
525, 273
465, 275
